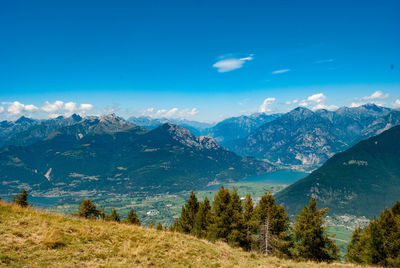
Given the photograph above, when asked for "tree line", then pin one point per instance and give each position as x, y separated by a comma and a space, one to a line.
265, 227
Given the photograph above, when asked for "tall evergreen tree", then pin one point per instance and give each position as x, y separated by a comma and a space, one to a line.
379, 242
189, 210
21, 199
132, 218
202, 219
311, 239
272, 227
220, 227
354, 248
248, 214
237, 236
159, 226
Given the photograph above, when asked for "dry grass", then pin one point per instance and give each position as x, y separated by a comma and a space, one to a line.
34, 238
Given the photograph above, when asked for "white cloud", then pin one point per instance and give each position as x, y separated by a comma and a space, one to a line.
396, 103
324, 61
172, 113
303, 103
376, 95
281, 71
227, 65
1, 109
85, 107
318, 98
52, 107
264, 106
291, 102
17, 108
326, 107
48, 109
70, 106
357, 104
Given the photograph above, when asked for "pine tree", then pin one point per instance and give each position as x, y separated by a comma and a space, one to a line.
311, 239
114, 216
272, 227
355, 247
220, 227
379, 242
151, 224
132, 218
21, 199
87, 209
248, 214
237, 236
189, 210
202, 219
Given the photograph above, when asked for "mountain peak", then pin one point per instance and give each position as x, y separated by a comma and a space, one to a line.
76, 117
24, 119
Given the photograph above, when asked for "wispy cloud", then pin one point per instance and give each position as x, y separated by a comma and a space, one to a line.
324, 61
264, 107
396, 103
376, 95
232, 63
172, 113
281, 71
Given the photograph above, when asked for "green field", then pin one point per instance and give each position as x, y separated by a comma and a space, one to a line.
164, 207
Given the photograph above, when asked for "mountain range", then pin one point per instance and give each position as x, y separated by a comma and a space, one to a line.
361, 181
306, 139
109, 154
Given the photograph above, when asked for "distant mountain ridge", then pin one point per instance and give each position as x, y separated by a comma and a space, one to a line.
108, 154
359, 181
306, 139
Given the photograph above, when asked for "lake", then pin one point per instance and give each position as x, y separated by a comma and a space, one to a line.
277, 177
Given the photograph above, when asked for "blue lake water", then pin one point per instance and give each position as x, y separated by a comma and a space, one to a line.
277, 177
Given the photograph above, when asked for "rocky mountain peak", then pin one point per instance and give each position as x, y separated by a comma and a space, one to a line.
24, 120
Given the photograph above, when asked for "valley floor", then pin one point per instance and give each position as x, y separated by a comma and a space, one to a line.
34, 238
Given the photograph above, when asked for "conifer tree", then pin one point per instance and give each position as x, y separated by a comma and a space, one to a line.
151, 224
272, 227
311, 239
132, 218
237, 236
379, 242
114, 216
189, 210
248, 214
222, 215
202, 219
354, 248
21, 199
87, 209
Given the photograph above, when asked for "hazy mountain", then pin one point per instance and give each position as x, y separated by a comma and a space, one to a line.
25, 131
239, 127
197, 128
307, 139
359, 181
8, 128
108, 154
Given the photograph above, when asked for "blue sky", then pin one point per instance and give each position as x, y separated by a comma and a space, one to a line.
203, 60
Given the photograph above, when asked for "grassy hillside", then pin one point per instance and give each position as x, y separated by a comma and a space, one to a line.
33, 238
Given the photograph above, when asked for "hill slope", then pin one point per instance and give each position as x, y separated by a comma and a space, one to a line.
359, 181
110, 155
37, 239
